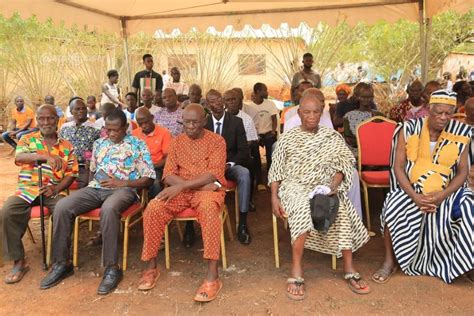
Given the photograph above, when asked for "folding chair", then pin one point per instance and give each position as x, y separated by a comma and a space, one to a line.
374, 143
276, 247
129, 218
190, 215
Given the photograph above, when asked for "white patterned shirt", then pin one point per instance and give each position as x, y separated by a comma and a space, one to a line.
249, 126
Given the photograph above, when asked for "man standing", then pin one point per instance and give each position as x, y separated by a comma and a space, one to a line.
306, 74
238, 155
157, 139
121, 164
82, 134
194, 173
147, 79
171, 115
59, 168
23, 122
264, 114
180, 87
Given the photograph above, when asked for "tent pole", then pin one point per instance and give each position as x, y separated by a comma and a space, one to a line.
423, 52
123, 24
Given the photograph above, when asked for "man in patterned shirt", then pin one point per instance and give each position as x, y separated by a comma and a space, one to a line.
413, 107
171, 115
121, 164
59, 168
82, 134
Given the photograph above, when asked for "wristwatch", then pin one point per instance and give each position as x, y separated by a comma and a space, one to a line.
219, 185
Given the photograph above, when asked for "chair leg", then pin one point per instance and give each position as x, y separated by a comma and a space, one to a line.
125, 244
367, 211
30, 234
50, 239
226, 218
167, 248
180, 231
275, 242
223, 253
90, 225
334, 262
237, 210
75, 242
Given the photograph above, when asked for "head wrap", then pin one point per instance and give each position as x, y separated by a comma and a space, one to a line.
443, 97
343, 87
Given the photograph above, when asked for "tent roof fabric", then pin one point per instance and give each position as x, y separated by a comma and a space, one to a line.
151, 15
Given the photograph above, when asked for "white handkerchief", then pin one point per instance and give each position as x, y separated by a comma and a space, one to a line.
319, 189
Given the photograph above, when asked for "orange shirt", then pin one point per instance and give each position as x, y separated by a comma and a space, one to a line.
157, 141
22, 116
189, 158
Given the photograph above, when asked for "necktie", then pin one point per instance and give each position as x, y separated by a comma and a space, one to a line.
218, 128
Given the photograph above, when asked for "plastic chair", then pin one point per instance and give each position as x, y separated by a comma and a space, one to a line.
374, 143
129, 218
189, 214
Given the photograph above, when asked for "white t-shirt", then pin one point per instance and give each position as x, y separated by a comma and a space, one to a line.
99, 123
178, 87
152, 110
113, 90
261, 115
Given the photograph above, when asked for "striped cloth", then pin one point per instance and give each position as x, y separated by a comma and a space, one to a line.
437, 244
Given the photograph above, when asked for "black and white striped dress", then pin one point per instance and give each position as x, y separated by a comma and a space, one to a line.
303, 160
438, 244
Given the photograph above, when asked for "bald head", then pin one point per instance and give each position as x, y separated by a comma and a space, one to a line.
196, 109
314, 92
194, 119
47, 108
143, 113
144, 119
47, 119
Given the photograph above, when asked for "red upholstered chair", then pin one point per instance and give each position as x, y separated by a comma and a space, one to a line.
190, 215
129, 217
36, 215
374, 142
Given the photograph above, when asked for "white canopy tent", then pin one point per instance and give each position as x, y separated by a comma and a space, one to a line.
127, 17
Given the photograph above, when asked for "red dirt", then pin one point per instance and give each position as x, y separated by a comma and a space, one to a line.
252, 284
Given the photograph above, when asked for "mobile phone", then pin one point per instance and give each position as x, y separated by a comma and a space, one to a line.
101, 175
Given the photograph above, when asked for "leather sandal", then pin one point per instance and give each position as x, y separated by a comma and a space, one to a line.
355, 276
208, 291
299, 283
148, 279
16, 274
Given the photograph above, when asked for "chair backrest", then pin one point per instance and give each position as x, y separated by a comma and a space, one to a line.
374, 141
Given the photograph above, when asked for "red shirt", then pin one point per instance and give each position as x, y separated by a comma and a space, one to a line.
157, 142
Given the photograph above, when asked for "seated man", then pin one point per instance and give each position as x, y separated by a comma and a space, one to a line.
304, 158
194, 173
82, 134
121, 164
428, 215
157, 139
58, 171
22, 122
413, 107
171, 115
238, 156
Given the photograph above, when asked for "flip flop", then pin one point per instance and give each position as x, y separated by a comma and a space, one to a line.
148, 279
385, 273
16, 271
298, 282
208, 291
355, 276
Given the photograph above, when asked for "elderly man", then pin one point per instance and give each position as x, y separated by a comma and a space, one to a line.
171, 115
22, 122
59, 168
304, 158
82, 134
157, 139
194, 173
415, 103
428, 215
121, 164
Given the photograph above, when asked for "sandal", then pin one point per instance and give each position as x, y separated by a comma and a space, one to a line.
298, 282
355, 276
383, 274
208, 291
16, 274
148, 279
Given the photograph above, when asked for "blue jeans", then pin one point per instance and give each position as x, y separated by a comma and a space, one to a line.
11, 141
241, 175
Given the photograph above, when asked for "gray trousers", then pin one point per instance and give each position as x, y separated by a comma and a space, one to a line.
111, 203
14, 221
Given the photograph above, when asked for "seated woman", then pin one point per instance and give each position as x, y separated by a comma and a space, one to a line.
353, 118
305, 157
428, 215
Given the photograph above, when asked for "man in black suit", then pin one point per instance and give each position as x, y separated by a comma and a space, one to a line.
238, 155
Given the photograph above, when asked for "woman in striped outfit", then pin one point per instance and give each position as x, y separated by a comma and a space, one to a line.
429, 213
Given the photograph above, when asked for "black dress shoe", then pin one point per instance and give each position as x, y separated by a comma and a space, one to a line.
244, 235
58, 272
189, 237
112, 277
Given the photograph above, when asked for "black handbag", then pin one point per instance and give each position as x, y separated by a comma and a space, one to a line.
324, 210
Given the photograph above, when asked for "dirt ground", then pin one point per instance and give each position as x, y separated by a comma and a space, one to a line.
252, 284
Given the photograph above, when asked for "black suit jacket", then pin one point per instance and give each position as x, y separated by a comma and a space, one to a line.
236, 141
